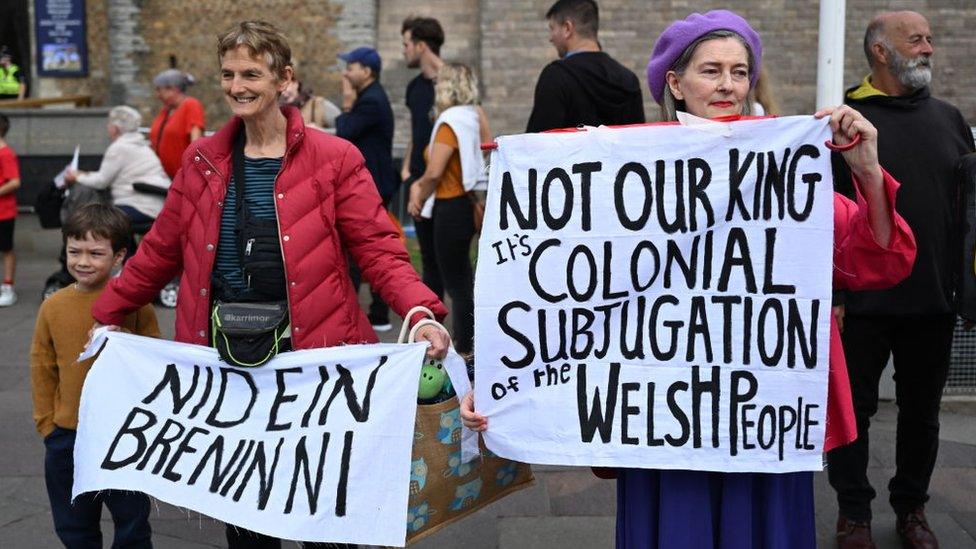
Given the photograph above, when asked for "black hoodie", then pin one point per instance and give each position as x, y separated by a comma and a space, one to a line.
588, 88
921, 140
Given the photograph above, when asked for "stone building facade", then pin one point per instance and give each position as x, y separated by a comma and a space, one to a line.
504, 40
130, 41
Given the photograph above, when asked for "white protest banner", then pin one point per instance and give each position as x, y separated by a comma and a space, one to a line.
314, 446
658, 296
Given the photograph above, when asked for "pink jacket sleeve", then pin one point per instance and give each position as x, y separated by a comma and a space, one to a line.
860, 263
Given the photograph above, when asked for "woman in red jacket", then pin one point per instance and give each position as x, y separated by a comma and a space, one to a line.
310, 189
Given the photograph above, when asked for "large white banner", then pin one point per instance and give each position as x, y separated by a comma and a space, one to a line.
658, 296
314, 446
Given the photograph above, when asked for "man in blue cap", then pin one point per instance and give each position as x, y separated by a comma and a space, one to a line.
367, 121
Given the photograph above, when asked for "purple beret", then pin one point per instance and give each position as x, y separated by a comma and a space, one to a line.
680, 34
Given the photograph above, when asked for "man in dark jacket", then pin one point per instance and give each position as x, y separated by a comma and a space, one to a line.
422, 41
585, 86
367, 121
367, 118
921, 142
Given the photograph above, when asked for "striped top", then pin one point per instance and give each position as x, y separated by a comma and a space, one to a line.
260, 174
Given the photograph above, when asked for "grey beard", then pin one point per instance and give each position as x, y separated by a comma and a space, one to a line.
914, 74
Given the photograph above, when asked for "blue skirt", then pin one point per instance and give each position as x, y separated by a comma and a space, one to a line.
703, 510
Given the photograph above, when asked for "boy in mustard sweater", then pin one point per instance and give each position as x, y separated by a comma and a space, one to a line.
95, 238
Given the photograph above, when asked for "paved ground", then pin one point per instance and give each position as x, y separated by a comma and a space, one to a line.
567, 508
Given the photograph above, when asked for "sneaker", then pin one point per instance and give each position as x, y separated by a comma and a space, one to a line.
382, 327
380, 324
7, 295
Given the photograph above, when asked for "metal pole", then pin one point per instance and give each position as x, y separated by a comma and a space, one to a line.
830, 53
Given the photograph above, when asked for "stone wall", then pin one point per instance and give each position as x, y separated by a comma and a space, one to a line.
96, 84
952, 22
146, 34
188, 30
125, 49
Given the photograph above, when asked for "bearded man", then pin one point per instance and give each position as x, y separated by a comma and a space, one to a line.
913, 322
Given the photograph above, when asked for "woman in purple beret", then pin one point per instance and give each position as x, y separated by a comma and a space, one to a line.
707, 65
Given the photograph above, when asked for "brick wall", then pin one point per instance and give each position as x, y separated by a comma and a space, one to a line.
356, 25
515, 47
504, 40
460, 19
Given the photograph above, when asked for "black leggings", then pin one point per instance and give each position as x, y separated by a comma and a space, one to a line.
428, 259
451, 230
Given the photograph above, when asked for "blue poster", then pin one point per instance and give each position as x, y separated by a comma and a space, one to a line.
62, 41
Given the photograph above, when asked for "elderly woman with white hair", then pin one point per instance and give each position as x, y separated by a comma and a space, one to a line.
129, 159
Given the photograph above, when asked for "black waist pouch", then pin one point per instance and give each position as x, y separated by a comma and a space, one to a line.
261, 261
250, 334
258, 244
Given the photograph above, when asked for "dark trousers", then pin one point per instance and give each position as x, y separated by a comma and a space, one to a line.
428, 259
920, 346
77, 523
239, 538
452, 230
379, 311
135, 216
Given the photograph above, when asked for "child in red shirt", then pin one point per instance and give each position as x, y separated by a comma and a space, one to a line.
9, 183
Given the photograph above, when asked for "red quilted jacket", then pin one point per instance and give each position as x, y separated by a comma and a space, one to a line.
327, 204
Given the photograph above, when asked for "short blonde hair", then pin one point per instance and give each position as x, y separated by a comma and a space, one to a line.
456, 85
260, 38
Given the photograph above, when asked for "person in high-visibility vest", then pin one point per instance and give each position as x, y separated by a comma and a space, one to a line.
11, 79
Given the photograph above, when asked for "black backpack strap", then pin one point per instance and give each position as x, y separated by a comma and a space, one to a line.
237, 158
